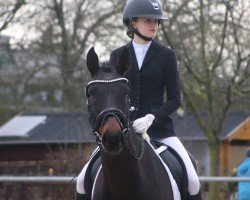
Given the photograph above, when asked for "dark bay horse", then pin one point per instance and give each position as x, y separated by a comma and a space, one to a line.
130, 168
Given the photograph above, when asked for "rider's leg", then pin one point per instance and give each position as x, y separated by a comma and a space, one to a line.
193, 180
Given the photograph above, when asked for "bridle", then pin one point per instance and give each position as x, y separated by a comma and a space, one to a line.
123, 118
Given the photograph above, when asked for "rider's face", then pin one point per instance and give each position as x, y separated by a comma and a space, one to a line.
146, 26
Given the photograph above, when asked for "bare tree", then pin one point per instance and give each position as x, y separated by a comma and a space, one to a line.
67, 32
58, 34
210, 41
8, 10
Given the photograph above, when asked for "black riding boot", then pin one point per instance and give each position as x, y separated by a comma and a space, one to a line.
197, 196
79, 196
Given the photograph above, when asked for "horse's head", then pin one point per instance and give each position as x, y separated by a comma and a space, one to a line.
108, 100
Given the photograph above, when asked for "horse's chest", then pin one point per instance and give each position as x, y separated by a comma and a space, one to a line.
132, 189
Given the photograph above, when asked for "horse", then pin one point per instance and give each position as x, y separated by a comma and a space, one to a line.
130, 169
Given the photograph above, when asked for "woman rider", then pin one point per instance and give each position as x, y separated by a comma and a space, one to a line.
153, 70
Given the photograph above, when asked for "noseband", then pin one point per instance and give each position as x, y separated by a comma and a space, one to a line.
96, 123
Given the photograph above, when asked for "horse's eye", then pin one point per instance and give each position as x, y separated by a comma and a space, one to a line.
91, 96
128, 92
88, 94
91, 92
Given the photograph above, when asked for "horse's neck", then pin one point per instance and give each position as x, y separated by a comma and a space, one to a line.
123, 171
131, 161
136, 173
125, 176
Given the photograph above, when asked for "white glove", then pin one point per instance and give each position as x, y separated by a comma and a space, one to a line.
142, 124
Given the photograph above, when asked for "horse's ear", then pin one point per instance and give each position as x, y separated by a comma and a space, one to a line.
92, 62
123, 62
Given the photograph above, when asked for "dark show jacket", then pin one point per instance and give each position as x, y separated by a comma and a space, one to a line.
158, 72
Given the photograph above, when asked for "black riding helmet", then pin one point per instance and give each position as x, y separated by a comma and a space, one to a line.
141, 8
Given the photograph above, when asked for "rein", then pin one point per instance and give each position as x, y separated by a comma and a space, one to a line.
142, 149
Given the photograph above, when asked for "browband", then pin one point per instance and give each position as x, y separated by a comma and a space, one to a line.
107, 81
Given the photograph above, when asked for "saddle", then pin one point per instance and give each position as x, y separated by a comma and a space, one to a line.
170, 157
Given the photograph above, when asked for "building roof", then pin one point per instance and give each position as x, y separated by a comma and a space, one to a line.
241, 132
74, 128
187, 127
52, 128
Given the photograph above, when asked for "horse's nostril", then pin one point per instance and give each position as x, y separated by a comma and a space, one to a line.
111, 140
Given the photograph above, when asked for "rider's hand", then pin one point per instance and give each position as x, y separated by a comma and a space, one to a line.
141, 125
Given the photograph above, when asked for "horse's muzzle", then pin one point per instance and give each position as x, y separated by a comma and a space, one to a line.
112, 123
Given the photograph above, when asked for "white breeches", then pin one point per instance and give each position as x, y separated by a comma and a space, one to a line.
193, 180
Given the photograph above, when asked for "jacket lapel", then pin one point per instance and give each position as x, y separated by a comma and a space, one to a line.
134, 63
152, 50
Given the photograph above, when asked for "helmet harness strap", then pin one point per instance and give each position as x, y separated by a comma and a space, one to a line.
138, 33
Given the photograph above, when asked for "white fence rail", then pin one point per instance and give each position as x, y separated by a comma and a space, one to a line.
67, 179
37, 179
223, 179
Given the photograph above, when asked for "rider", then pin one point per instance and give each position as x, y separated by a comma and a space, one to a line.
153, 69
244, 171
